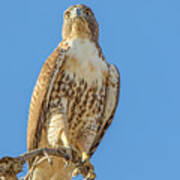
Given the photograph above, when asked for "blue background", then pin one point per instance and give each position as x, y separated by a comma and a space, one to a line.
142, 38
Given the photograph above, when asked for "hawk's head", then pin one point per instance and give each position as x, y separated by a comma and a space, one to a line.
79, 20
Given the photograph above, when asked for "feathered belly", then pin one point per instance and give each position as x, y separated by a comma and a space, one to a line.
83, 104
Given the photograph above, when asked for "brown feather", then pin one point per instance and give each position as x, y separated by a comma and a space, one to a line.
36, 106
107, 118
77, 97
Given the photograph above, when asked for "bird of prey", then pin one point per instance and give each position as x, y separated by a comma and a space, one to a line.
74, 99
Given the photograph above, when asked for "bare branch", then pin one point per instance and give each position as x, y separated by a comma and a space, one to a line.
11, 166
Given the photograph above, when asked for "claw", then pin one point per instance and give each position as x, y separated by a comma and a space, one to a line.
48, 158
76, 172
69, 153
86, 169
90, 176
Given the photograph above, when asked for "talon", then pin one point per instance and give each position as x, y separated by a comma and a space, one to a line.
76, 172
90, 176
48, 158
67, 164
89, 173
69, 153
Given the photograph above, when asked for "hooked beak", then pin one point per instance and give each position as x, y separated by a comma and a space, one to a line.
78, 12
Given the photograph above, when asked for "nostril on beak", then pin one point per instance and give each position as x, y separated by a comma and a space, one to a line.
78, 12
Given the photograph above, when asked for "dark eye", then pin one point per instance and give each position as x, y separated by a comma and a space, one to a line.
88, 12
67, 14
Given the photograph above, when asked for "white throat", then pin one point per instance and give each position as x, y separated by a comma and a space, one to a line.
84, 56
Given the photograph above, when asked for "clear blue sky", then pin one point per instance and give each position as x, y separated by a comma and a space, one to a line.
142, 37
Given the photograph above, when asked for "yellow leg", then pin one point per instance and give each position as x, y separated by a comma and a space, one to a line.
85, 157
87, 171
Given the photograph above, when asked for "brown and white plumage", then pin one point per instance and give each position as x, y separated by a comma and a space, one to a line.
75, 96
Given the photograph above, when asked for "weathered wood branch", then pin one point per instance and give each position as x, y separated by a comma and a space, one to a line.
11, 166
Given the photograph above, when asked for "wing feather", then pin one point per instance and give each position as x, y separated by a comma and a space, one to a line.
41, 94
112, 97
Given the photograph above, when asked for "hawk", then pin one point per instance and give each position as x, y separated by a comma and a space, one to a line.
75, 97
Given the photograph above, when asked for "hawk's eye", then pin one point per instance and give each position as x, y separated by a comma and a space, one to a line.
67, 14
88, 12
